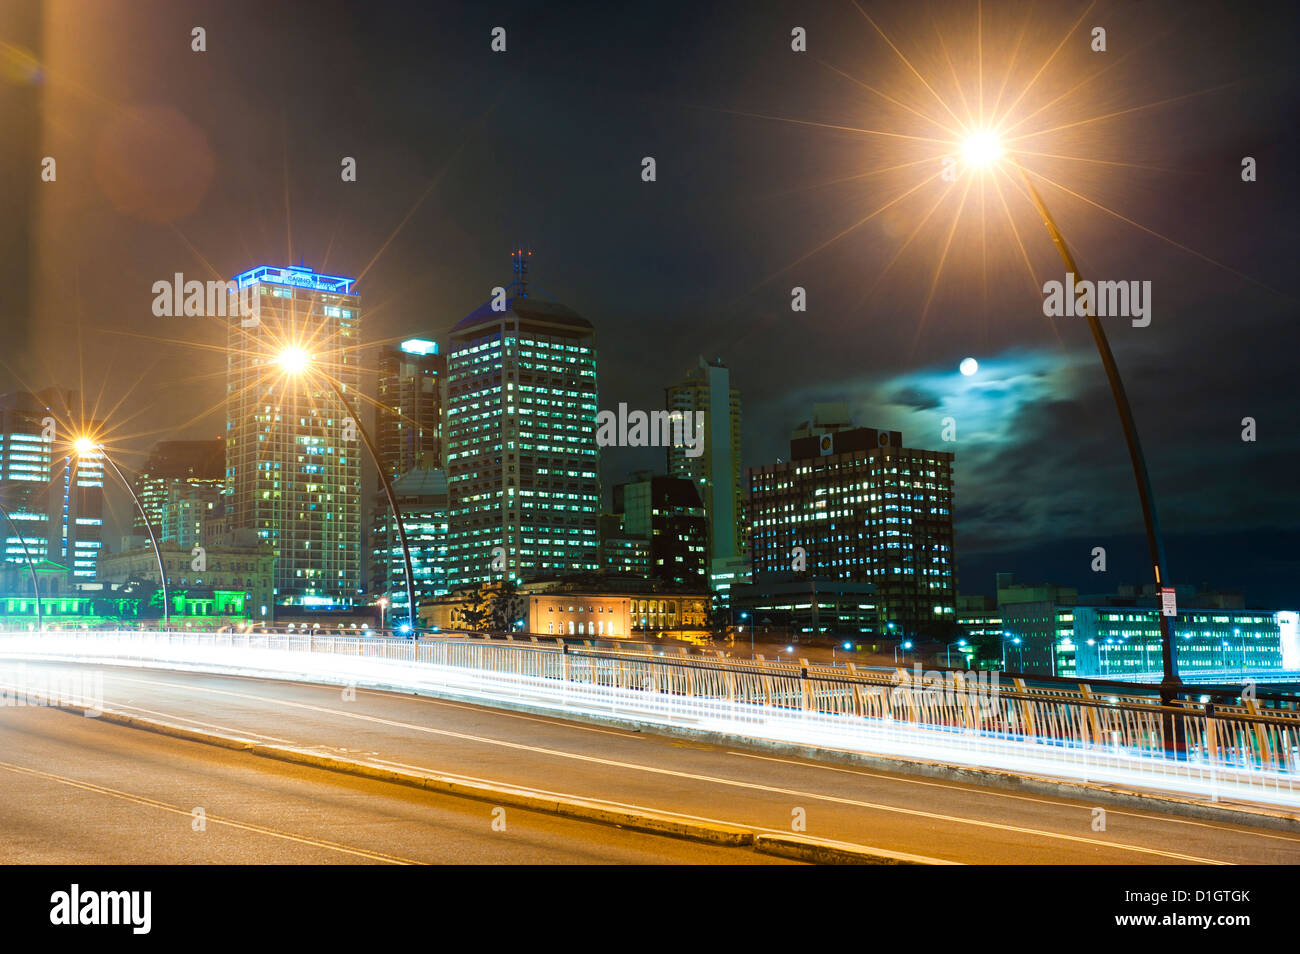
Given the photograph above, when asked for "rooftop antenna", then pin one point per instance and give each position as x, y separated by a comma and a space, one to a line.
519, 264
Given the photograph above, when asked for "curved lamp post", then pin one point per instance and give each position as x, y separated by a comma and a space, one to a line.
982, 149
84, 447
36, 584
295, 361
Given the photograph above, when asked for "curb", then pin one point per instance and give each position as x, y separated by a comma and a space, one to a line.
1159, 802
673, 826
833, 853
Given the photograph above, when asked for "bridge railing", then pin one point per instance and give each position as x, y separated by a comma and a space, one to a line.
1239, 751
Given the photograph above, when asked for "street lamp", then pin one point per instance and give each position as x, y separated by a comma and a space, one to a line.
1015, 641
948, 650
981, 149
383, 605
905, 646
745, 616
85, 446
294, 361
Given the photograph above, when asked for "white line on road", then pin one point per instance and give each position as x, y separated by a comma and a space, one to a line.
734, 783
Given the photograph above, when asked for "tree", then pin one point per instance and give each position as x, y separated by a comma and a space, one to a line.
474, 613
508, 606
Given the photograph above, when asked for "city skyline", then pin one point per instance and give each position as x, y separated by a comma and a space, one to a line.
1041, 473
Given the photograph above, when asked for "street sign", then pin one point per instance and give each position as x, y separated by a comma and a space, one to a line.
1168, 605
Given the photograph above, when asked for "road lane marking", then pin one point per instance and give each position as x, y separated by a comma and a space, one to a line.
644, 809
390, 693
734, 783
1023, 798
216, 819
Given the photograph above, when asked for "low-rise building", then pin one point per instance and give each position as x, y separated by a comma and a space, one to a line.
244, 568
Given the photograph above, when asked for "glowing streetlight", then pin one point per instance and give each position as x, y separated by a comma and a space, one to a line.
295, 360
981, 149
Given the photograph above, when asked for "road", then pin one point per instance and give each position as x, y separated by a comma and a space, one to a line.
82, 790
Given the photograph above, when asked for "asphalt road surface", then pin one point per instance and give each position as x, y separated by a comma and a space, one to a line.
80, 790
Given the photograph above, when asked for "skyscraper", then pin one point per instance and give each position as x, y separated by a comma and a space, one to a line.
408, 422
293, 466
53, 496
422, 498
26, 475
854, 504
80, 479
522, 461
717, 473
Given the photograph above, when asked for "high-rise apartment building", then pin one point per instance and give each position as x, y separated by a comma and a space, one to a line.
293, 455
522, 460
854, 504
408, 422
706, 389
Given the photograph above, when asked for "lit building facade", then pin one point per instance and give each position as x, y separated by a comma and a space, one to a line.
249, 570
178, 484
860, 507
808, 608
522, 460
293, 464
1045, 629
408, 421
422, 498
80, 480
27, 447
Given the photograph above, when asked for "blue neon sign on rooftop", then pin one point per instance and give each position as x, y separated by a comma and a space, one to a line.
299, 276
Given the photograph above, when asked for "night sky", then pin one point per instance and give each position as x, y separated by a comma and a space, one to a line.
768, 163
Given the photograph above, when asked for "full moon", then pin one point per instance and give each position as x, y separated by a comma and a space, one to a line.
969, 366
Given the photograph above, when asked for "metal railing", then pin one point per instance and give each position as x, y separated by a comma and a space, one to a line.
1234, 751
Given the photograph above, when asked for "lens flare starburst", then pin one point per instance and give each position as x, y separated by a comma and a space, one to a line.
963, 110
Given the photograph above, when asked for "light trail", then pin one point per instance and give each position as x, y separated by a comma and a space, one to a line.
646, 700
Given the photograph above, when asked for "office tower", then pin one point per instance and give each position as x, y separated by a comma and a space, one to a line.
668, 514
707, 389
422, 498
408, 422
856, 505
173, 470
56, 497
293, 456
26, 449
80, 479
522, 462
